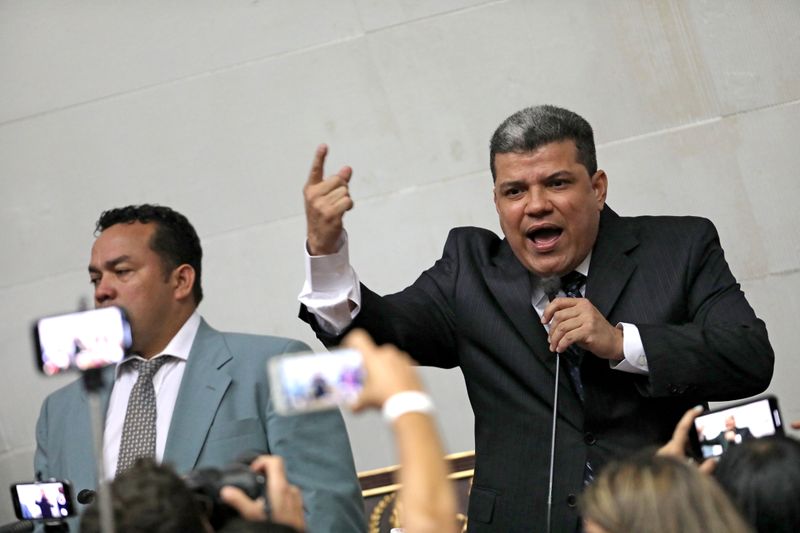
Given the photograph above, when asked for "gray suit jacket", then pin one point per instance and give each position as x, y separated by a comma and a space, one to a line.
223, 409
472, 309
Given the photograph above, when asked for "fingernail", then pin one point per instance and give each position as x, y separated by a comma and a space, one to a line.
698, 408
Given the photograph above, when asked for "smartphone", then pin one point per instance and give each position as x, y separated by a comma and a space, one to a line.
42, 501
717, 430
82, 340
314, 381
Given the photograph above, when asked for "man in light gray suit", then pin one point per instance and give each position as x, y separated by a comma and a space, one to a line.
211, 394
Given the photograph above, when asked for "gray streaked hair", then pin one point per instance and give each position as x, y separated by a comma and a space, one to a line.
532, 127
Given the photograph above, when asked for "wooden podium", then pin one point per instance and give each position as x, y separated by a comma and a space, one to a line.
379, 489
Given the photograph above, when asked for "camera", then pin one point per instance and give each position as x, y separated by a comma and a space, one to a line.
207, 482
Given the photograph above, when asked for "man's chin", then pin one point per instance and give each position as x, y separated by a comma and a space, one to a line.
546, 269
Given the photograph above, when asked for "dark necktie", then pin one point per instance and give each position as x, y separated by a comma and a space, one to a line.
139, 429
571, 285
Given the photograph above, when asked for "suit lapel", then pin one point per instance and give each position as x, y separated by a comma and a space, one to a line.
510, 283
203, 385
610, 267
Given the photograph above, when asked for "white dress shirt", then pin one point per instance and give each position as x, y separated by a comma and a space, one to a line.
332, 287
166, 381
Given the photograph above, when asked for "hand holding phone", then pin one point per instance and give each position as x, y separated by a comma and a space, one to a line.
716, 431
388, 371
315, 381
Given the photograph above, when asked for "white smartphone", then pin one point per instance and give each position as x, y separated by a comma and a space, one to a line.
310, 381
82, 340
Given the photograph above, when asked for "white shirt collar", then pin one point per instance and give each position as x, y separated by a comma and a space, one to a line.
180, 345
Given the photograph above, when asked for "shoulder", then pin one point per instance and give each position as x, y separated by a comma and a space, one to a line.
65, 394
661, 229
268, 344
655, 223
472, 235
63, 403
477, 244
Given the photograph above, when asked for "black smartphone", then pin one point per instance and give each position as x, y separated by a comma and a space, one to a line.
42, 501
313, 381
717, 430
82, 340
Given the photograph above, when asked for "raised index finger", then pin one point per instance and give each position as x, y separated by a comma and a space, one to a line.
318, 166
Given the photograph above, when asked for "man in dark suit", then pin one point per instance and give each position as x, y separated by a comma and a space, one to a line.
659, 324
211, 393
731, 435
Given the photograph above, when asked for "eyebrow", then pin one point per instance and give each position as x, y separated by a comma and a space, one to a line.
110, 264
554, 175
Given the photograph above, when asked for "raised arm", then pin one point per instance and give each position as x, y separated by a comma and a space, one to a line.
428, 499
327, 199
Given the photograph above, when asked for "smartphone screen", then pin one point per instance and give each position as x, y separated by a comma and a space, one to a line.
34, 501
716, 431
315, 381
82, 340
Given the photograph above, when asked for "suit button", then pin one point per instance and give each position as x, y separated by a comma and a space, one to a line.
589, 438
572, 500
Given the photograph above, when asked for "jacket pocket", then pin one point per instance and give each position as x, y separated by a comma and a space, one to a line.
481, 505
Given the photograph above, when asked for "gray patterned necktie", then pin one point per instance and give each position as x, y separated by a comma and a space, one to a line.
139, 430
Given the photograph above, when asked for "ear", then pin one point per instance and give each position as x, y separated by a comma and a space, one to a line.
494, 199
183, 281
600, 188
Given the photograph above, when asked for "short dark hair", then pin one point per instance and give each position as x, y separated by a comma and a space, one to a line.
532, 127
762, 477
174, 240
149, 498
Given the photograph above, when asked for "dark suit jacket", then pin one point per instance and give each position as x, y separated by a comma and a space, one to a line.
743, 434
473, 309
223, 409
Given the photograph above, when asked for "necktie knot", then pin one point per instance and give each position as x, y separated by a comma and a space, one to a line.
148, 368
571, 284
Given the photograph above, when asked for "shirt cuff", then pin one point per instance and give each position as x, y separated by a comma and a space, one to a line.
635, 361
330, 286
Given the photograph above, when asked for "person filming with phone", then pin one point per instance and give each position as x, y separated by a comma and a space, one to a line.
187, 395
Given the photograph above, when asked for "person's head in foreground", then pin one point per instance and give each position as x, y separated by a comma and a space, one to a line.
149, 498
152, 498
762, 477
657, 494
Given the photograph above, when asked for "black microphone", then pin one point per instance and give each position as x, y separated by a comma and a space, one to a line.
86, 496
551, 285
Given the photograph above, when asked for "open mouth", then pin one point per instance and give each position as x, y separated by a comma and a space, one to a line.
544, 238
